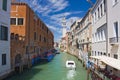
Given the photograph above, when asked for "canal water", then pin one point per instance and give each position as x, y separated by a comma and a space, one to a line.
54, 70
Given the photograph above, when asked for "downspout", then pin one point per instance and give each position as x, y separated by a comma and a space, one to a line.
28, 37
106, 6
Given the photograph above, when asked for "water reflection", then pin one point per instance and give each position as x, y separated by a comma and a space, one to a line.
71, 74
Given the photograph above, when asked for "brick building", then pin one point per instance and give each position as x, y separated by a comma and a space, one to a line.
30, 37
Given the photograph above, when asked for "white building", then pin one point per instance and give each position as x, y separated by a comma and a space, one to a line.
106, 34
113, 21
99, 29
74, 37
113, 7
4, 37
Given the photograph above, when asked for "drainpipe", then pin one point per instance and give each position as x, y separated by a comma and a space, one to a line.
28, 39
106, 6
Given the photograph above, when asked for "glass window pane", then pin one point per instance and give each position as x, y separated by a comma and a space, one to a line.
3, 33
4, 5
13, 21
20, 21
3, 59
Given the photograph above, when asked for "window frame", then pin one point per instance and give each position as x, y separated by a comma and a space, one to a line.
116, 29
3, 30
4, 5
18, 21
11, 21
115, 2
35, 36
115, 56
4, 59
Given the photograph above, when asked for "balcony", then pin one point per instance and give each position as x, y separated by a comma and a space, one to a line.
114, 40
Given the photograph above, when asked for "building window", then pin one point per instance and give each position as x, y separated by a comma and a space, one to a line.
104, 5
35, 36
115, 56
115, 1
116, 29
42, 26
44, 39
98, 13
92, 53
101, 9
3, 33
4, 6
103, 35
40, 38
95, 17
95, 53
47, 30
3, 59
37, 21
13, 21
104, 53
20, 21
98, 54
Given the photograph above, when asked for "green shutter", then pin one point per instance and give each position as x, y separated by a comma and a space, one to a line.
4, 5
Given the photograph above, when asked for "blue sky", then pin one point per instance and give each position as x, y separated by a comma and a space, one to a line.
51, 12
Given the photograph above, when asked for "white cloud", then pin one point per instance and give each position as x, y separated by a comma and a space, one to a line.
60, 5
34, 2
58, 16
58, 30
47, 6
71, 20
52, 1
55, 29
52, 27
57, 19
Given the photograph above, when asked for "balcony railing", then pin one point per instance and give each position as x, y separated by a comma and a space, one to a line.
114, 40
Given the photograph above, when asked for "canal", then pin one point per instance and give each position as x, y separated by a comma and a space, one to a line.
54, 70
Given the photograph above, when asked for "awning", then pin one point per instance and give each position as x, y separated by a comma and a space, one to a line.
95, 57
115, 63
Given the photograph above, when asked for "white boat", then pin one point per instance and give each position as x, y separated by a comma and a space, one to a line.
65, 50
70, 64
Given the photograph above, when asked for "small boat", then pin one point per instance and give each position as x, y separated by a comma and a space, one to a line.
70, 64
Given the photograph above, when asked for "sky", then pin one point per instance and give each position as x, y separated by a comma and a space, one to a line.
51, 12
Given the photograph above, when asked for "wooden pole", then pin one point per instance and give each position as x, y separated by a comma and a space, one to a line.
88, 72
